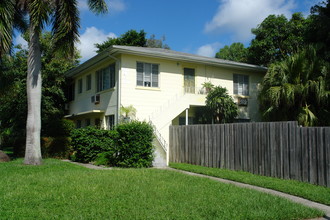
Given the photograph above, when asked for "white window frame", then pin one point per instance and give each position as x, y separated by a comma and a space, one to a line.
241, 84
101, 76
88, 82
142, 74
110, 120
80, 85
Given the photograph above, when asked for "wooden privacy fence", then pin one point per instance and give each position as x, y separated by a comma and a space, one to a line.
276, 149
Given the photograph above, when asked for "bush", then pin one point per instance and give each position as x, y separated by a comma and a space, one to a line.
129, 145
88, 142
134, 146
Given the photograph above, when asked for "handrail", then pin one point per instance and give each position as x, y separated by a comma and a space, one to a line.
159, 137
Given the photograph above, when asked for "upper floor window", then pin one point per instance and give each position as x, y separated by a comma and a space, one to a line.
88, 82
241, 84
80, 86
70, 92
147, 74
105, 78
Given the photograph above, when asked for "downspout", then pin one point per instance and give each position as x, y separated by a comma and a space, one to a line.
118, 67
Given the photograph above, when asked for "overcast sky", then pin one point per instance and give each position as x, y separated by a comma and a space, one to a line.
200, 26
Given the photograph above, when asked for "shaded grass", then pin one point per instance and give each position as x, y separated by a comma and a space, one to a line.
59, 190
308, 191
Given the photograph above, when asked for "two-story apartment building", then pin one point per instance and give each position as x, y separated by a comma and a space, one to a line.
164, 86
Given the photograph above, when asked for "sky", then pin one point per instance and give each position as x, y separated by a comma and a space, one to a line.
199, 27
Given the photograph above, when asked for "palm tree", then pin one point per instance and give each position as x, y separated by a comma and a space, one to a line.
63, 17
296, 89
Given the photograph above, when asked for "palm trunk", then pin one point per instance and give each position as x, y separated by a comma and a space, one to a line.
33, 88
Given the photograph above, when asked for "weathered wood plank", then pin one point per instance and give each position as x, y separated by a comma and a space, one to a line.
280, 149
327, 155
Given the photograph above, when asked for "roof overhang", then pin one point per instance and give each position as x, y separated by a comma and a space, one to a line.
113, 51
92, 112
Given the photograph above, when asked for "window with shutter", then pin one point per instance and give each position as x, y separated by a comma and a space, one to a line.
105, 78
241, 84
147, 74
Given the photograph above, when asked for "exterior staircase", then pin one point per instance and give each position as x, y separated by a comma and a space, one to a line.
162, 118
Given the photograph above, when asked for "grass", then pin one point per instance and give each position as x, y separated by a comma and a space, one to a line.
309, 191
60, 190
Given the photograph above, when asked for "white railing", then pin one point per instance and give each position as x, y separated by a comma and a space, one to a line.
195, 90
185, 90
159, 137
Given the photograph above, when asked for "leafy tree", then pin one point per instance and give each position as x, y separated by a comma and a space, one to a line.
13, 106
63, 17
235, 52
156, 43
319, 29
298, 89
276, 38
133, 38
130, 38
221, 105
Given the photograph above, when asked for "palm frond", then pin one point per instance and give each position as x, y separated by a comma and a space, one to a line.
98, 6
39, 13
274, 95
65, 26
306, 117
7, 14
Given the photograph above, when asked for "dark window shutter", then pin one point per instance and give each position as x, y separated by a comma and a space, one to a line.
139, 74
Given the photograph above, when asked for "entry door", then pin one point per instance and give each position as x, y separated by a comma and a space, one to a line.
189, 80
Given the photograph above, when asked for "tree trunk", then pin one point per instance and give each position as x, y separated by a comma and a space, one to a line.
33, 88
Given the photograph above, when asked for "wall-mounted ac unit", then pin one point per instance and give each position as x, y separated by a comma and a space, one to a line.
242, 101
96, 99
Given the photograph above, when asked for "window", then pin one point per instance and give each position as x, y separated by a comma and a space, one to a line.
241, 84
78, 124
110, 121
87, 122
147, 74
97, 122
105, 78
88, 82
70, 92
80, 85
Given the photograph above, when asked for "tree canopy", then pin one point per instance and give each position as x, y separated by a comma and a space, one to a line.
277, 38
13, 99
235, 52
133, 38
297, 89
33, 16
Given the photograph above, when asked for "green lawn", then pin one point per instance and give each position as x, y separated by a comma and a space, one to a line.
309, 191
60, 190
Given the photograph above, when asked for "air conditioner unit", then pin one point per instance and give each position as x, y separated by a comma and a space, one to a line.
66, 106
242, 101
95, 99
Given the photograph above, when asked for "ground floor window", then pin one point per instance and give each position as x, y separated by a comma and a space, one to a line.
87, 122
97, 122
110, 119
78, 124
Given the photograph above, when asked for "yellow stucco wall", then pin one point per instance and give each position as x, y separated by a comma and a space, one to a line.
81, 107
171, 81
148, 100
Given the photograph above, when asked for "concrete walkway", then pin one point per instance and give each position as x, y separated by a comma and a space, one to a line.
296, 199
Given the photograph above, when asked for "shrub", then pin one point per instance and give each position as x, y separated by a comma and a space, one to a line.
88, 142
134, 145
128, 145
